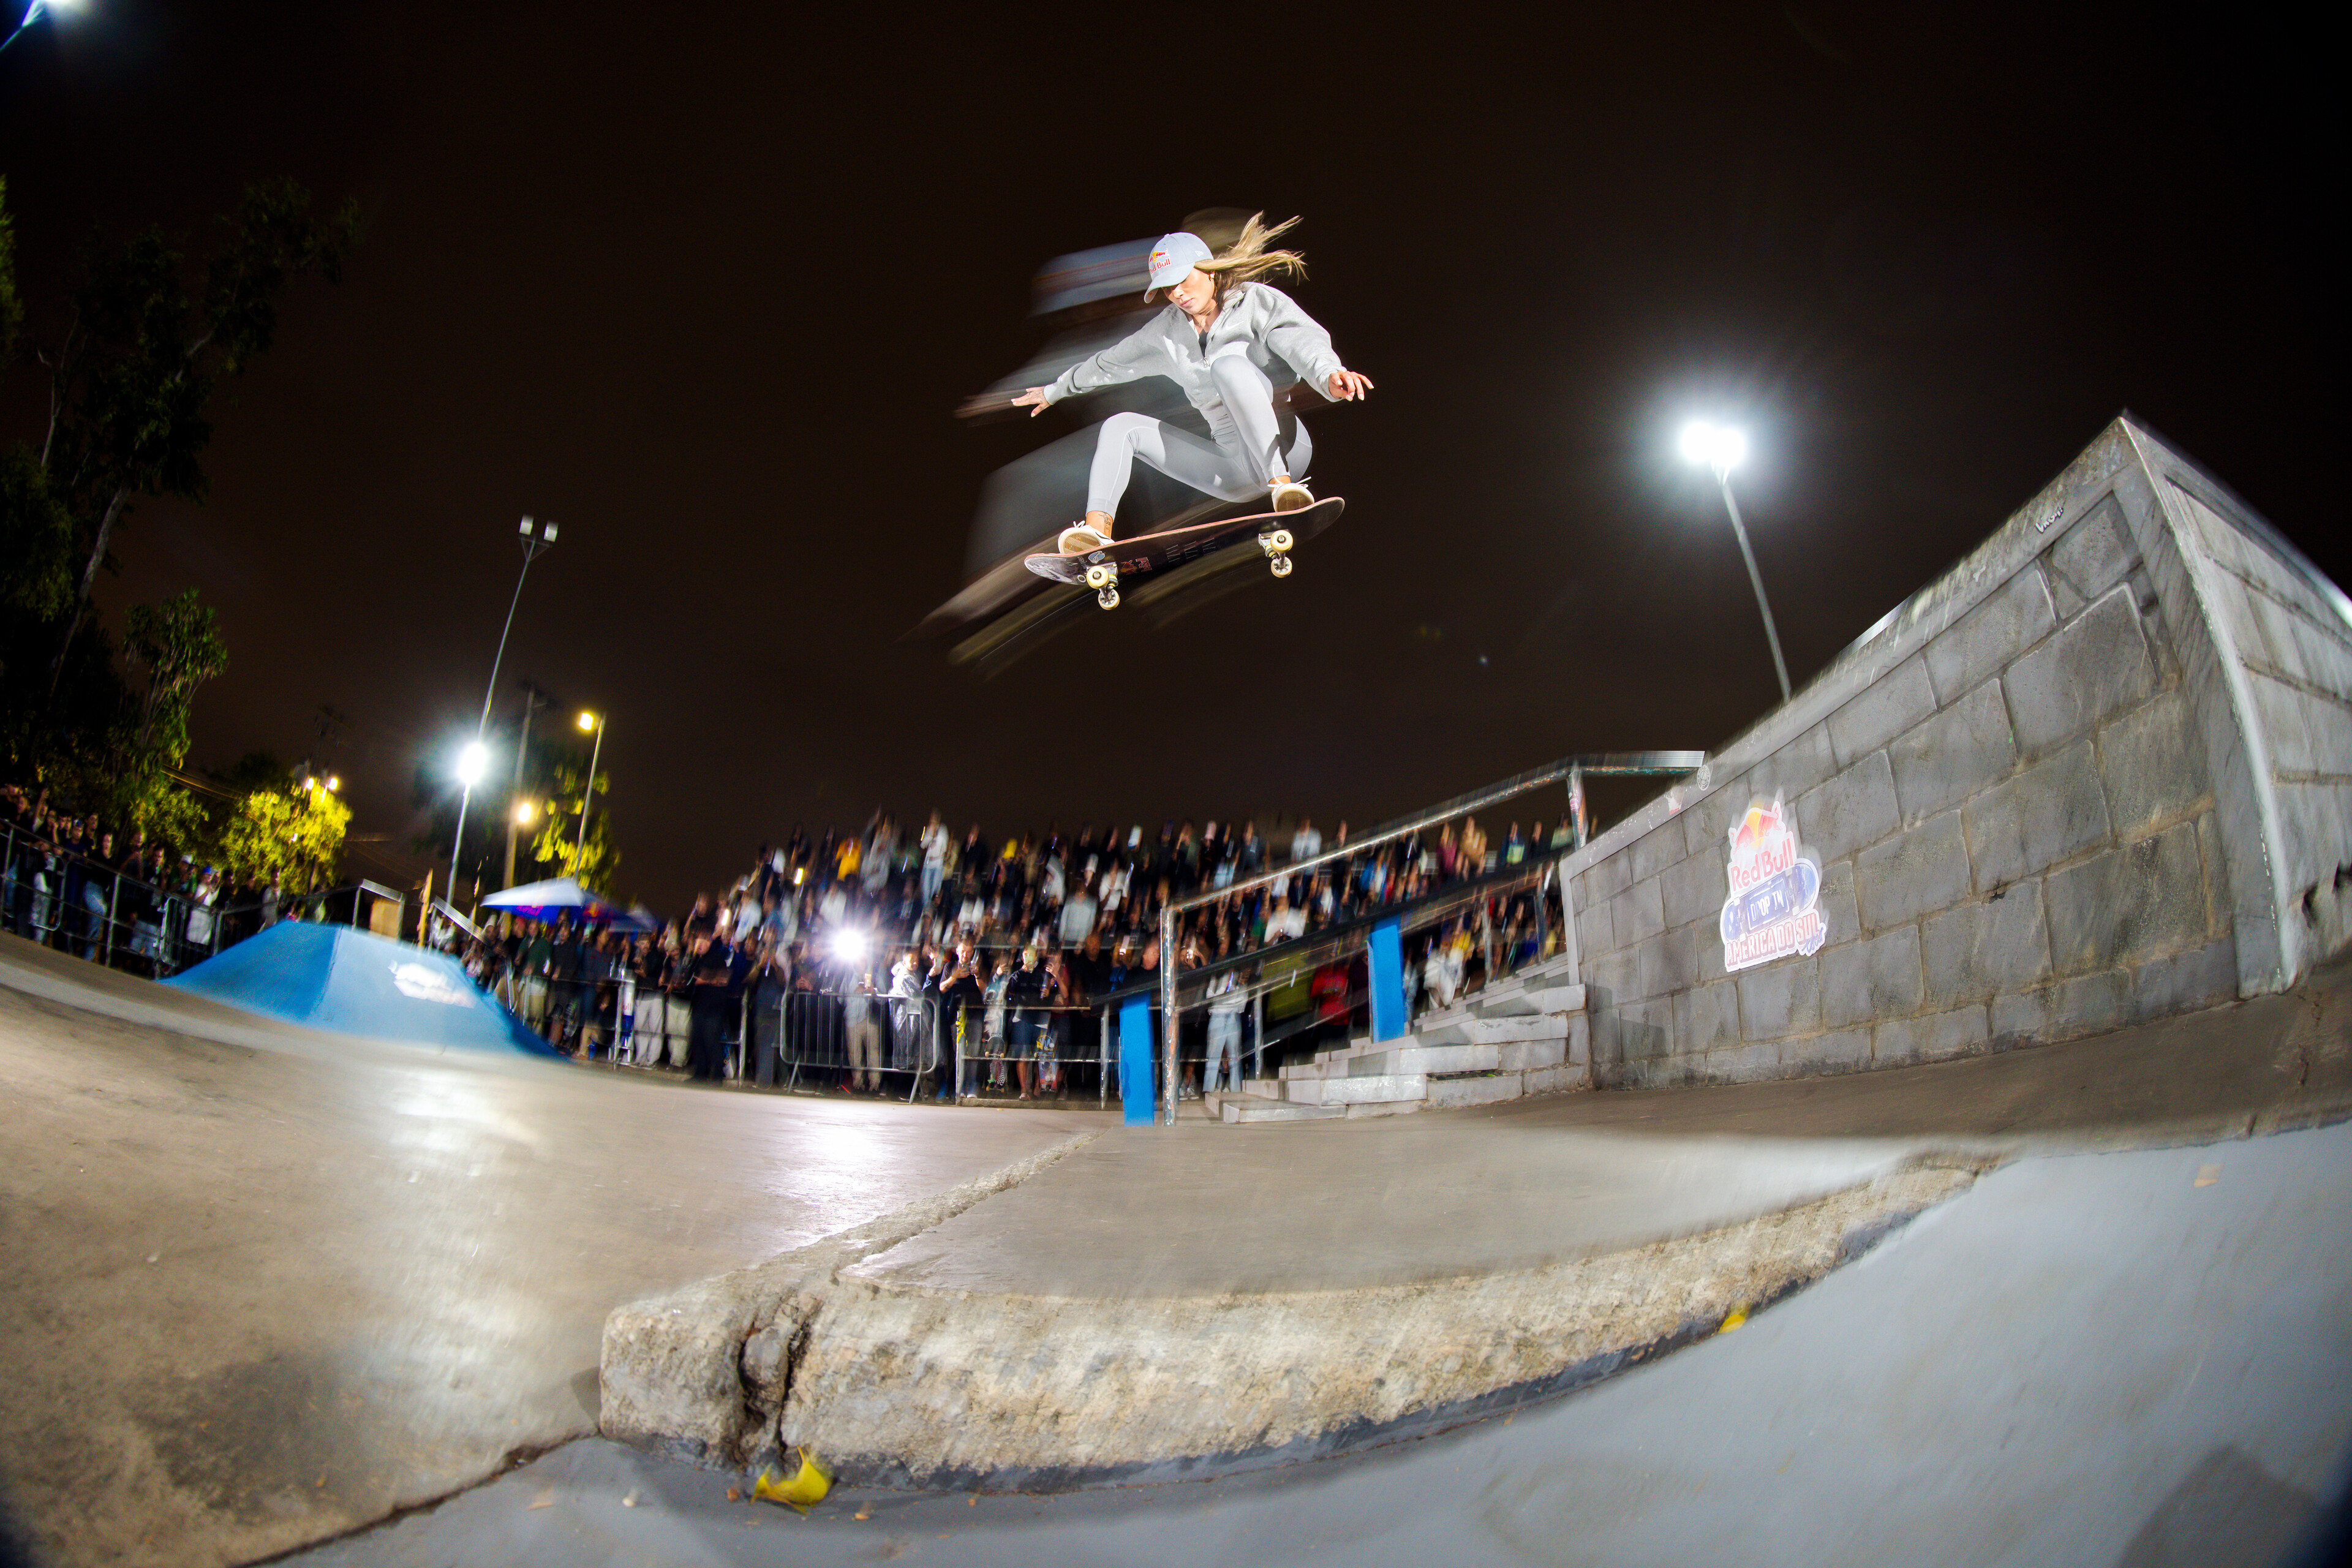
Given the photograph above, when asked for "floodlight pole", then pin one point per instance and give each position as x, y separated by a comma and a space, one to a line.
1771, 635
532, 702
579, 845
535, 538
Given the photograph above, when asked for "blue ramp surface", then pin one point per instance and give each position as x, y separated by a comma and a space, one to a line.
353, 982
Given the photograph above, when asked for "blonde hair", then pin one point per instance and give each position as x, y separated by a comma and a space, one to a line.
1247, 259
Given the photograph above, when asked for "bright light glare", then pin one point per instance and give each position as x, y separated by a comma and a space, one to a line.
587, 720
333, 782
849, 945
1716, 446
522, 814
471, 761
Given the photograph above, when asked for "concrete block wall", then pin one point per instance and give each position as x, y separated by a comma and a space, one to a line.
2048, 795
2281, 636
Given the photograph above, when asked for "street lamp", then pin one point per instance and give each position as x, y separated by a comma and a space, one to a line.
38, 9
1724, 450
534, 537
471, 763
592, 721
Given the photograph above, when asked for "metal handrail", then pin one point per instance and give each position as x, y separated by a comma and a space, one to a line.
1571, 770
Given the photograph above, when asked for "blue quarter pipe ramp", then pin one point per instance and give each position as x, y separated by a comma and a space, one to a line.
335, 978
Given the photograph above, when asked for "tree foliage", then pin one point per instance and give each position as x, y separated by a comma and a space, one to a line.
150, 336
293, 837
559, 830
150, 333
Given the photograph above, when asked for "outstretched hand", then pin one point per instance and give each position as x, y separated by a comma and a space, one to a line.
1347, 386
1034, 400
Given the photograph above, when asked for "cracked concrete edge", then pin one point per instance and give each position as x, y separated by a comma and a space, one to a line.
900, 1386
698, 1374
907, 1387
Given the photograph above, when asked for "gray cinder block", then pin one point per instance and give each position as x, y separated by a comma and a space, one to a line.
1856, 808
1882, 710
2152, 761
1977, 951
1954, 755
2129, 905
2053, 810
1879, 978
1934, 1039
2096, 664
1921, 869
1780, 999
2012, 618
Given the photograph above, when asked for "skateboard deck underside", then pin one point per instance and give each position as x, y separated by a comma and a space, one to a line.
1128, 560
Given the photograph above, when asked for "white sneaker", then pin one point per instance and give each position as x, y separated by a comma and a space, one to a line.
1289, 495
1079, 538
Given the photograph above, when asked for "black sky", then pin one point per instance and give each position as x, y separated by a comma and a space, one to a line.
704, 283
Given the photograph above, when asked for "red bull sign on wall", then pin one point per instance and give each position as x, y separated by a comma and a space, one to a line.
1774, 909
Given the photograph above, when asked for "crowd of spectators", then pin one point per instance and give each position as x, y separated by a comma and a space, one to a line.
73, 883
876, 961
873, 960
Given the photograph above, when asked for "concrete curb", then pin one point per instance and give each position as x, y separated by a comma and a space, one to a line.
699, 1374
902, 1386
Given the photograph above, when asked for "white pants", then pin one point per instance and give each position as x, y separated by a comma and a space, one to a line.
1225, 1043
1245, 457
652, 1014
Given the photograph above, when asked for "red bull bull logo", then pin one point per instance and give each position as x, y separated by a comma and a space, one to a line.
1774, 907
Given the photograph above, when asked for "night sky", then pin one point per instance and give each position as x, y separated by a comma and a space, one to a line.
705, 285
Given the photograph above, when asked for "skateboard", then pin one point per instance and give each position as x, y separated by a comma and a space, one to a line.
1124, 560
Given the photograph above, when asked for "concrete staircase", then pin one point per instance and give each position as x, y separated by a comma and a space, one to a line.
1527, 1035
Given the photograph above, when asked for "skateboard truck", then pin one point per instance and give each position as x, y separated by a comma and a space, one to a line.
1102, 578
1277, 545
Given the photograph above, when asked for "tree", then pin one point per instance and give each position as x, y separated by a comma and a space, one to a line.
179, 647
559, 832
150, 338
11, 309
293, 837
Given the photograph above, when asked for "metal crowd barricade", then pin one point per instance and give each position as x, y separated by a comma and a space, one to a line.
813, 1036
985, 1045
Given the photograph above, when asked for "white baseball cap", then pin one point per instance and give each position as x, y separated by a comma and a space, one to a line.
1176, 255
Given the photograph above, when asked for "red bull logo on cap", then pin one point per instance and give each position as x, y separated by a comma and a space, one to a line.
1774, 907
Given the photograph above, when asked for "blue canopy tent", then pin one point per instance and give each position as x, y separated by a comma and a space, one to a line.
565, 896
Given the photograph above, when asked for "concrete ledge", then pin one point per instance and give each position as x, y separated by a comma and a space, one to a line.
907, 1386
685, 1372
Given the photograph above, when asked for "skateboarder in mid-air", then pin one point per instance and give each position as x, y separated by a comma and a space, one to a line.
1220, 336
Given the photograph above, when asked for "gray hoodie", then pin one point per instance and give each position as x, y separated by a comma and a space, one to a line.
1259, 320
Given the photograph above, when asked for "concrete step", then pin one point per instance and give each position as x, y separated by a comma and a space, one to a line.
1358, 1091
1408, 1056
1240, 1110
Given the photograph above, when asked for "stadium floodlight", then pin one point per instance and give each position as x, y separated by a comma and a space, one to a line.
471, 760
38, 9
1722, 448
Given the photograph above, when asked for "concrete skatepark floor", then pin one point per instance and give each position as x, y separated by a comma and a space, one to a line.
273, 1286
2130, 1359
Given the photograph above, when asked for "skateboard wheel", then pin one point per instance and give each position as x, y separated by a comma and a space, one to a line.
1280, 565
1108, 598
1281, 541
1097, 576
